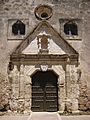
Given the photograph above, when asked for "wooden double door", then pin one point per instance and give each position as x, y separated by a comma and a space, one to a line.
44, 92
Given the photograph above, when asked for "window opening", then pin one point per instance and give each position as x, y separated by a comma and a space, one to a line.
70, 28
18, 28
44, 15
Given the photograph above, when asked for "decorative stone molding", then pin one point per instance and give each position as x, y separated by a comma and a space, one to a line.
68, 89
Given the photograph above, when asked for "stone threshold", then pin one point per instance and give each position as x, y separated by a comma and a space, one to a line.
9, 113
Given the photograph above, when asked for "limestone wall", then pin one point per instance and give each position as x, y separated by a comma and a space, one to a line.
10, 10
4, 93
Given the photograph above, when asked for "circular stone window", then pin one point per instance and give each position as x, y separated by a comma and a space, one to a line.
43, 12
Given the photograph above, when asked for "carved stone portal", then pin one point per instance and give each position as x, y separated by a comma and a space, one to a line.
63, 63
21, 88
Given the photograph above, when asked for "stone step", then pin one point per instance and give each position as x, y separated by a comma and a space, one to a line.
44, 116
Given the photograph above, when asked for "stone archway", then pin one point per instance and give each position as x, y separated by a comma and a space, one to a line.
21, 87
60, 72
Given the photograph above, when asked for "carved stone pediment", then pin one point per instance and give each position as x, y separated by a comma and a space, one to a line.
54, 35
48, 46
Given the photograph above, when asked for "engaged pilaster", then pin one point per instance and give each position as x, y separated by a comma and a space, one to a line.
14, 88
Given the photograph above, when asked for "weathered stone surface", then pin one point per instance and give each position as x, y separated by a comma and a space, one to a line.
20, 84
4, 93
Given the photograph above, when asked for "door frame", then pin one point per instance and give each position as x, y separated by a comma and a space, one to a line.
56, 86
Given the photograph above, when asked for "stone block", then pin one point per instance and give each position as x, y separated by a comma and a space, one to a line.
82, 107
88, 104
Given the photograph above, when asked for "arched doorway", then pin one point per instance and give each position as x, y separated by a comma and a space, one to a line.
44, 91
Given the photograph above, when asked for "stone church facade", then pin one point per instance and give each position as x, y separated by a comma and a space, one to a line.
44, 55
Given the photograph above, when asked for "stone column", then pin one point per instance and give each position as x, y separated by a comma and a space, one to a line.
21, 101
21, 84
67, 87
28, 87
61, 94
74, 89
15, 89
28, 96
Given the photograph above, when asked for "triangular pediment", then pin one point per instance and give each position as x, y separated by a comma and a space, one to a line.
53, 48
57, 44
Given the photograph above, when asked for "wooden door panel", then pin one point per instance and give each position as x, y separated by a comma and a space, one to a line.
37, 98
51, 98
44, 94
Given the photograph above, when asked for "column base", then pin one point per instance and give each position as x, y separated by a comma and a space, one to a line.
61, 112
27, 111
75, 112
